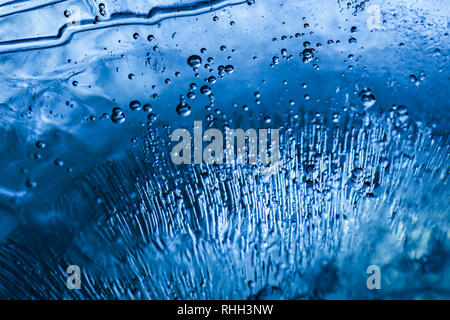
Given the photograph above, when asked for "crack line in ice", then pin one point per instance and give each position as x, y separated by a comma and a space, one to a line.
20, 6
155, 16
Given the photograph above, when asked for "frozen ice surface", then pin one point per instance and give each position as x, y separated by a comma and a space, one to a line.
359, 90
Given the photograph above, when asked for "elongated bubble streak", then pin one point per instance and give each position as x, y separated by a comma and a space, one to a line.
149, 229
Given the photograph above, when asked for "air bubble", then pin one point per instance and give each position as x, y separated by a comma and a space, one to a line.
135, 105
183, 109
194, 61
367, 98
205, 90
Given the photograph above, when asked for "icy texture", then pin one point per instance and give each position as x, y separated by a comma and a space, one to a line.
364, 173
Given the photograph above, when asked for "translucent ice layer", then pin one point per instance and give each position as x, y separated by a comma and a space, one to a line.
90, 94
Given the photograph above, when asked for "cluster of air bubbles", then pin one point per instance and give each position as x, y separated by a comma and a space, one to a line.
417, 79
285, 54
225, 69
101, 9
152, 117
275, 60
400, 116
367, 98
195, 61
117, 115
308, 53
31, 183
